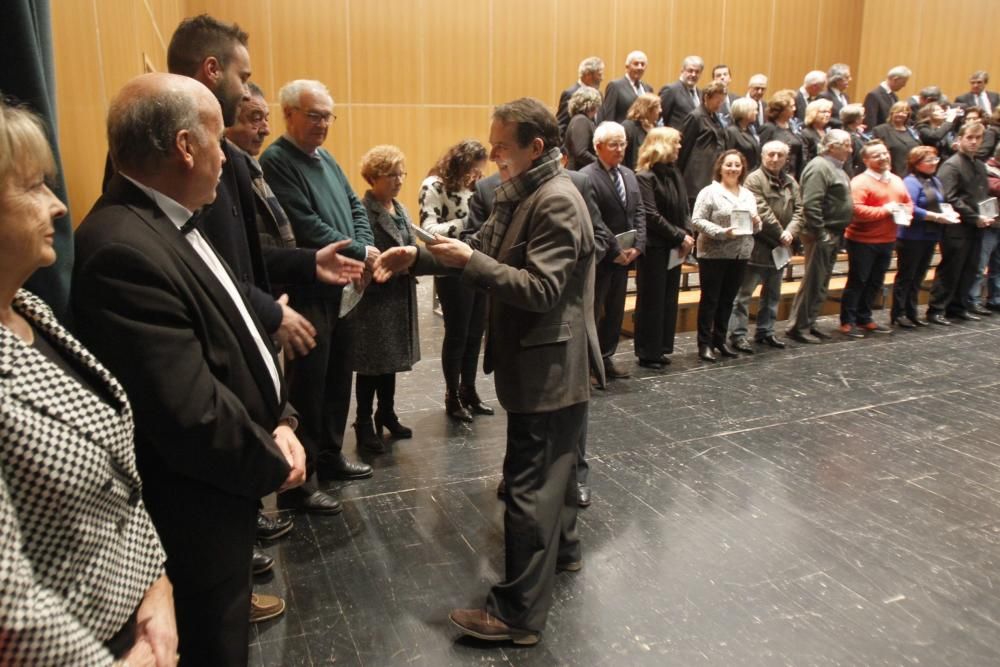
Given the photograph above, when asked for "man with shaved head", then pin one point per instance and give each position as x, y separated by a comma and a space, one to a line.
159, 306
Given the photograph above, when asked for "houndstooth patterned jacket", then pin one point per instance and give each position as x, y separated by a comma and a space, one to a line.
77, 549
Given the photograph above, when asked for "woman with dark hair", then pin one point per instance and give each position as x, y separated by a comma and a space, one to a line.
642, 117
915, 244
579, 137
723, 249
779, 127
852, 120
386, 340
898, 136
668, 227
936, 127
818, 113
444, 209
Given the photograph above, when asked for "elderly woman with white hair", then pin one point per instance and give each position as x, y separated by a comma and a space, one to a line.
742, 135
817, 118
579, 137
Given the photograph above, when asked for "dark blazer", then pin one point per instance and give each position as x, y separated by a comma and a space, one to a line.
665, 206
810, 143
635, 134
970, 100
801, 103
702, 140
618, 97
618, 218
964, 183
484, 192
772, 132
837, 106
877, 104
579, 142
940, 137
746, 143
899, 144
205, 405
675, 104
78, 549
562, 112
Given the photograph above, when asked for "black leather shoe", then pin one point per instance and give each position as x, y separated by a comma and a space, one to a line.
800, 337
726, 351
743, 345
613, 372
583, 495
316, 502
820, 334
979, 310
654, 364
966, 316
995, 307
470, 400
368, 439
916, 321
271, 528
336, 466
705, 353
903, 322
938, 318
261, 561
453, 406
391, 422
773, 341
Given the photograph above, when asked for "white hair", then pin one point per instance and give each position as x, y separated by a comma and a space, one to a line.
832, 137
692, 61
290, 94
606, 131
814, 77
899, 72
635, 55
589, 65
757, 80
774, 146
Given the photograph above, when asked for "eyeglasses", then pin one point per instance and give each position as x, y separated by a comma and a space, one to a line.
316, 117
931, 160
396, 175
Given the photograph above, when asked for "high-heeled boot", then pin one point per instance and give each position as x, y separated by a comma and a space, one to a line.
471, 401
453, 406
391, 422
368, 439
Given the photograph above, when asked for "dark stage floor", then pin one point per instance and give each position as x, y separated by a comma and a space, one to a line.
822, 505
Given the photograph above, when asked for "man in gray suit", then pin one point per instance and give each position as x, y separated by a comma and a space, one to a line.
536, 261
591, 73
621, 93
681, 97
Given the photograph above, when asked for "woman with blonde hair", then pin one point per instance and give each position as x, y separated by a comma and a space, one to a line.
818, 114
668, 228
779, 127
642, 117
898, 136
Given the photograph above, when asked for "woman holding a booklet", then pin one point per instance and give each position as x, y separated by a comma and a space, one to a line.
725, 215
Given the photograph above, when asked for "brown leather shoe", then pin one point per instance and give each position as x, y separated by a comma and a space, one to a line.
265, 607
480, 624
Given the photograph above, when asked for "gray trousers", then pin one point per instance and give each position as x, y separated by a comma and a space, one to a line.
767, 309
820, 254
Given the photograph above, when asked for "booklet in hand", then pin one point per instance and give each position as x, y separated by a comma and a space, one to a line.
741, 221
422, 234
626, 239
951, 216
781, 256
674, 258
900, 215
988, 208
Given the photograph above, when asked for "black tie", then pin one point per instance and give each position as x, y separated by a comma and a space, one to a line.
192, 223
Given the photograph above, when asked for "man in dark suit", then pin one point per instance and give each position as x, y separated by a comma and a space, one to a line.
838, 78
618, 198
621, 93
978, 96
964, 184
880, 100
158, 305
681, 97
591, 73
756, 90
812, 86
917, 102
722, 74
536, 261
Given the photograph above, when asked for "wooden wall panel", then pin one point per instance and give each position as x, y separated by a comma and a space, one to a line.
583, 29
793, 44
696, 29
746, 28
121, 53
643, 25
311, 40
522, 61
456, 52
386, 67
839, 38
878, 52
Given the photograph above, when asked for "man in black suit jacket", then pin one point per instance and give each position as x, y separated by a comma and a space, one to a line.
620, 202
880, 100
722, 74
978, 96
591, 73
837, 80
812, 85
681, 97
756, 90
155, 302
621, 93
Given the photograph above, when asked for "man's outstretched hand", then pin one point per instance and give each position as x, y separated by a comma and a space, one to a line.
334, 268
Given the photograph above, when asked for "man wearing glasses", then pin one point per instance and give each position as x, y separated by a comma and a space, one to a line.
318, 200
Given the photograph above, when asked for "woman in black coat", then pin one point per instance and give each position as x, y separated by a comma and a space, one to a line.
779, 127
642, 117
898, 137
579, 138
818, 113
742, 135
936, 127
702, 140
668, 228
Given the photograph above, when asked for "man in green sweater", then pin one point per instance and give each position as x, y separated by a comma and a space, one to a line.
322, 208
827, 207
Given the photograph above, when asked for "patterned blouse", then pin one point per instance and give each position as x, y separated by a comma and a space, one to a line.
711, 218
441, 212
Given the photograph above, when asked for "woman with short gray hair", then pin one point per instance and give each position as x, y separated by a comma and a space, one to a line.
579, 138
742, 135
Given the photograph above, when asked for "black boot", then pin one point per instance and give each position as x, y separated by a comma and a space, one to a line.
453, 406
368, 439
391, 422
471, 401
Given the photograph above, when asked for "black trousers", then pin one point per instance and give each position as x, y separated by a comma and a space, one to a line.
957, 270
367, 386
657, 291
464, 311
610, 283
540, 514
867, 264
720, 280
913, 259
319, 384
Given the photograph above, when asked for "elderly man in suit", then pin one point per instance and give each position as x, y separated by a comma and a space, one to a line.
536, 261
838, 78
813, 85
978, 96
159, 306
618, 198
884, 95
621, 93
756, 90
590, 73
681, 97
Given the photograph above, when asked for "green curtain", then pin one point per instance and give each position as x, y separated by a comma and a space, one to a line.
28, 77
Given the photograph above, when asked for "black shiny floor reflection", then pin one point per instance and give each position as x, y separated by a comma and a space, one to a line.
821, 505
